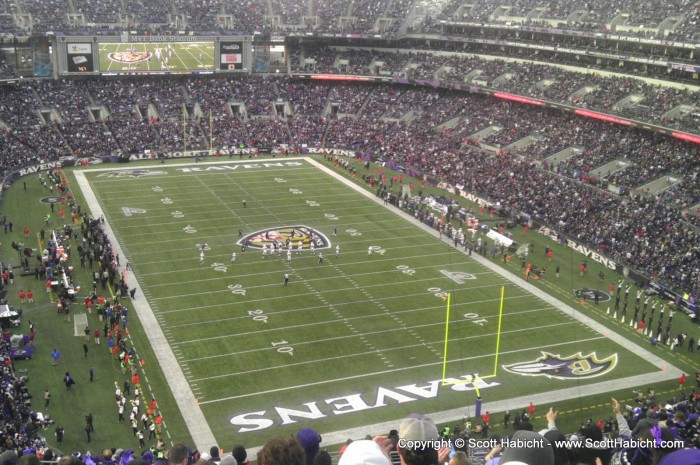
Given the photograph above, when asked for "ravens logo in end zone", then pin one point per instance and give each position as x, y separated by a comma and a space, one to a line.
131, 174
576, 366
281, 234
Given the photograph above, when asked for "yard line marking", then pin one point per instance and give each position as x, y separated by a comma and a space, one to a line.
210, 292
230, 236
372, 226
386, 312
190, 200
363, 337
199, 429
315, 307
384, 372
317, 294
224, 277
563, 310
364, 253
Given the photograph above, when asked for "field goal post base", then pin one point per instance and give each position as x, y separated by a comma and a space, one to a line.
472, 379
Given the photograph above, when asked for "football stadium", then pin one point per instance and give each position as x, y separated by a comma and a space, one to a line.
405, 232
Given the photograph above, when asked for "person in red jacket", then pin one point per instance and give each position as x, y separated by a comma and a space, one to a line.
22, 296
30, 296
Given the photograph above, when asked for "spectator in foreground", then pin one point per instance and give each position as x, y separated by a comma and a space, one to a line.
310, 440
419, 428
179, 455
536, 450
364, 452
240, 454
282, 450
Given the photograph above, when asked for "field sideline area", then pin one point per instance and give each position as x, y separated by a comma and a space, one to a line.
352, 341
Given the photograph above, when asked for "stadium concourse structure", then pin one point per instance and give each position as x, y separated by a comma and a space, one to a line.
200, 430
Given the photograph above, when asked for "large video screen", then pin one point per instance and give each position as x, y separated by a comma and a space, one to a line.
157, 58
231, 55
79, 58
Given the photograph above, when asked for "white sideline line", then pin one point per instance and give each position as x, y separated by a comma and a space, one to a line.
199, 429
517, 281
453, 414
546, 398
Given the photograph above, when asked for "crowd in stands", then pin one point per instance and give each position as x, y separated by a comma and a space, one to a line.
307, 98
99, 11
19, 424
225, 132
265, 132
256, 94
349, 99
172, 133
309, 130
45, 15
249, 16
593, 16
82, 134
359, 17
648, 102
430, 130
650, 233
209, 93
647, 432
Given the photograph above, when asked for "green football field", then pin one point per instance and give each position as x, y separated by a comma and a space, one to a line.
156, 57
355, 339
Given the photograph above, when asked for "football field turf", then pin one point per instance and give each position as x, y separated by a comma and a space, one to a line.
356, 339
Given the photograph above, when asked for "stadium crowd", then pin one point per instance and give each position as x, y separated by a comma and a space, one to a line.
429, 130
649, 19
624, 96
508, 146
650, 431
672, 418
594, 16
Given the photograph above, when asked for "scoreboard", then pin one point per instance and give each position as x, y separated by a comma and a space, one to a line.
136, 55
231, 56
